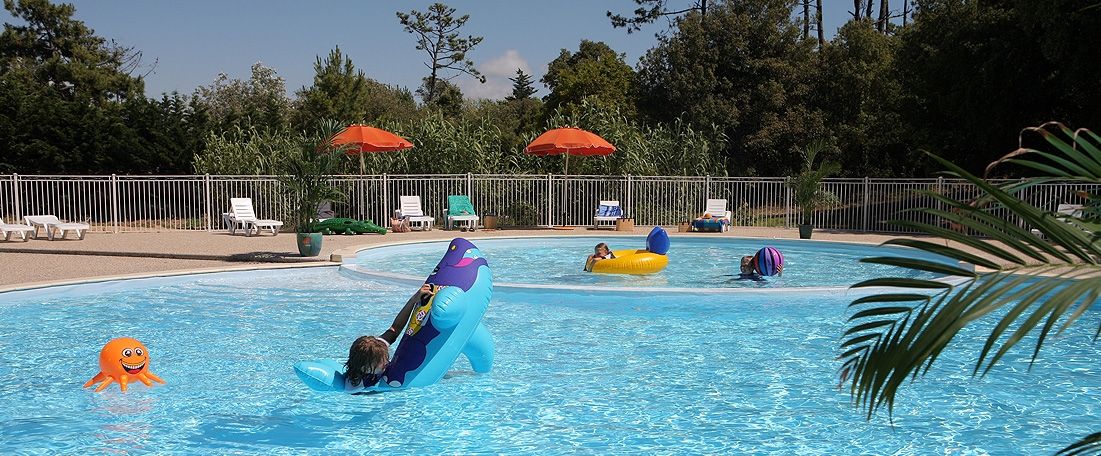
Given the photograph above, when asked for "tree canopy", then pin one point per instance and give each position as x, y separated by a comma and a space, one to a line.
745, 69
745, 81
595, 72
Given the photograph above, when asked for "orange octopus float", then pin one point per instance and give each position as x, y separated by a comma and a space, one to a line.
119, 361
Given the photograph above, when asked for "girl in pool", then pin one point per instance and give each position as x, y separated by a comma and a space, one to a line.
600, 252
369, 355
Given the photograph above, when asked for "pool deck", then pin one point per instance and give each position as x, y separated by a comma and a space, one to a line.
105, 255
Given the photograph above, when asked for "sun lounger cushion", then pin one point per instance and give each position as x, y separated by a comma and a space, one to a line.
458, 205
609, 211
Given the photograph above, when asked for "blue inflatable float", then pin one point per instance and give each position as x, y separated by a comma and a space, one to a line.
450, 324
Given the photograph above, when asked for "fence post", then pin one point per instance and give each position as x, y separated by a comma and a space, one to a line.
469, 185
208, 198
787, 204
360, 187
629, 211
866, 201
707, 188
386, 198
941, 192
550, 199
17, 198
115, 203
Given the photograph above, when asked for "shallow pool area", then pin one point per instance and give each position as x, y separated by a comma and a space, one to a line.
728, 374
694, 262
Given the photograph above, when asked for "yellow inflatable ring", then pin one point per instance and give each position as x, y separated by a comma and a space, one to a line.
631, 262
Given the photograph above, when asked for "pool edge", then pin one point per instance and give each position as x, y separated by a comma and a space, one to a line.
151, 275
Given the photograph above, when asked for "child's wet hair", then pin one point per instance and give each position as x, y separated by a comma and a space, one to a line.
367, 355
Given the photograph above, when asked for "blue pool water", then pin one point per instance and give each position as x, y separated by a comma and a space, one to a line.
734, 374
693, 262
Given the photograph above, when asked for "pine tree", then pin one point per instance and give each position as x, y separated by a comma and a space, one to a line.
339, 92
437, 32
522, 86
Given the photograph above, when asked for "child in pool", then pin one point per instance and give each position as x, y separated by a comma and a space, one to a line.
369, 355
747, 272
600, 252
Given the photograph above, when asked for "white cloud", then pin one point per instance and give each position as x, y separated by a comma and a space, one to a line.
497, 71
505, 65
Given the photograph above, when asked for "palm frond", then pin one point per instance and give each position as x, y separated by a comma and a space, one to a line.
1032, 285
1090, 444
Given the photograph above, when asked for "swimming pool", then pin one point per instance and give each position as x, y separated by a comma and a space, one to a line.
694, 262
730, 374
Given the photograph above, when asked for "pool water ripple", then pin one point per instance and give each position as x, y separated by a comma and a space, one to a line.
717, 374
694, 262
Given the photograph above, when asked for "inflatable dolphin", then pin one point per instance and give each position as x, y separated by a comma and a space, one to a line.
439, 331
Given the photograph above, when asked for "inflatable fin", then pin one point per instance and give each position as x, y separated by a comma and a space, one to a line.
479, 350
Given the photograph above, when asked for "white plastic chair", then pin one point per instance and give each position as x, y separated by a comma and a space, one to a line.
8, 228
242, 215
602, 219
412, 211
51, 223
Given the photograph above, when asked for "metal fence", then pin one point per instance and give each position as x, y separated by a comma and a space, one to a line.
152, 203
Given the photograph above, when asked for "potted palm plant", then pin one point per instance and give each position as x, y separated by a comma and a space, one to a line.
809, 196
305, 182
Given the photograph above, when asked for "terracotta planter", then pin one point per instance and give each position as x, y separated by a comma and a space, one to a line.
684, 227
805, 231
309, 244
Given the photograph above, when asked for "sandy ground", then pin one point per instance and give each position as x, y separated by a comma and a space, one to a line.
107, 255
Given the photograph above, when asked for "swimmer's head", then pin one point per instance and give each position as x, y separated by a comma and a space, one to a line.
367, 359
747, 265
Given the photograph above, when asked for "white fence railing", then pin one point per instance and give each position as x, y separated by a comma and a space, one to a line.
150, 203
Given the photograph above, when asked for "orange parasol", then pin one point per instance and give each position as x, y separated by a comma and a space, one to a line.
569, 141
369, 139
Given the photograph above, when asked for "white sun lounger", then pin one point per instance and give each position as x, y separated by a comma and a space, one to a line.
411, 210
1073, 210
52, 224
242, 215
607, 214
8, 228
717, 209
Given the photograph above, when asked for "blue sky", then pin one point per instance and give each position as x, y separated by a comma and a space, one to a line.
192, 41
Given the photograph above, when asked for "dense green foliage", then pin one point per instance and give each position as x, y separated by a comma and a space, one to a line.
595, 72
342, 93
259, 102
69, 104
729, 88
746, 69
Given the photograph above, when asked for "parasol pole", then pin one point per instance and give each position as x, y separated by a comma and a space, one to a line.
562, 199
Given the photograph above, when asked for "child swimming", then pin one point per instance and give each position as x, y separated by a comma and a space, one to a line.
747, 272
369, 355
